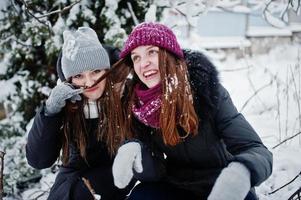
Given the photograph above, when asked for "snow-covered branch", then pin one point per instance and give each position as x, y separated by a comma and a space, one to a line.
280, 20
33, 15
60, 10
38, 18
132, 13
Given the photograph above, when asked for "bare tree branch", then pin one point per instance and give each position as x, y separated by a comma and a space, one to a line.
297, 96
60, 10
297, 7
286, 140
255, 93
47, 14
1, 174
266, 11
31, 14
186, 18
285, 184
284, 12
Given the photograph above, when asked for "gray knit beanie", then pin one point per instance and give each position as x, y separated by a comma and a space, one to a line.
82, 51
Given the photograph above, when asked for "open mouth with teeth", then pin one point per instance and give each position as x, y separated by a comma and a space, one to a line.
150, 73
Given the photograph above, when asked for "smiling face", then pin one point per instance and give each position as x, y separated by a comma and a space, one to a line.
146, 64
87, 79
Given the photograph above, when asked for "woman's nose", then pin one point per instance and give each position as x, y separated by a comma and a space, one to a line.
89, 81
145, 62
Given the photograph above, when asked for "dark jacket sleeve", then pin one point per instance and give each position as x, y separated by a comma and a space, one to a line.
241, 139
152, 163
43, 144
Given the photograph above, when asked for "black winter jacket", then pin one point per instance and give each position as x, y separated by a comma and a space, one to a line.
224, 136
43, 149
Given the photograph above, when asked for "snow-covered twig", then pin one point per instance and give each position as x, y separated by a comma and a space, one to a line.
280, 20
136, 22
297, 93
1, 173
285, 184
31, 14
187, 20
270, 19
284, 11
278, 109
255, 93
296, 8
42, 193
60, 10
48, 14
249, 67
286, 140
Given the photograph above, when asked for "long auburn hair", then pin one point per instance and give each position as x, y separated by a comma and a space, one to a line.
177, 109
75, 127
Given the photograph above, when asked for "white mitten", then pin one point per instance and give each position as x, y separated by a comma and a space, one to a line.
233, 183
128, 158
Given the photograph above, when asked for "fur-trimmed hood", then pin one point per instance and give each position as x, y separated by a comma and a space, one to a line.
204, 82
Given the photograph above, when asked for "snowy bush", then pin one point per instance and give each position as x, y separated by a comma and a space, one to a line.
31, 38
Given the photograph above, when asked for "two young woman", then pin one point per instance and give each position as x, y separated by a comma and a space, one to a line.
185, 138
74, 121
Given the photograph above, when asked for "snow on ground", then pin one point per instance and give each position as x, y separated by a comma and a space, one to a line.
273, 112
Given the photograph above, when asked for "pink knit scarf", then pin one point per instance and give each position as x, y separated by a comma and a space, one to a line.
147, 107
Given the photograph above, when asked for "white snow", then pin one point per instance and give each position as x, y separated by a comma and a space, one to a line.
150, 15
3, 5
267, 31
273, 112
197, 42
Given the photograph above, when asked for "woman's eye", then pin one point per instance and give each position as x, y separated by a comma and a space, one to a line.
96, 71
77, 76
135, 58
152, 52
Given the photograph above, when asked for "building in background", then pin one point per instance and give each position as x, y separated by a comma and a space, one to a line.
242, 28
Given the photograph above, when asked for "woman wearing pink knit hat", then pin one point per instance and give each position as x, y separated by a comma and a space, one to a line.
185, 138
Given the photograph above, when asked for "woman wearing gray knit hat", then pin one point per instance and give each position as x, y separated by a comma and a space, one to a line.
74, 121
185, 138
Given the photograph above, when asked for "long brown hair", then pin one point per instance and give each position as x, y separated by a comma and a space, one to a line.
75, 127
177, 110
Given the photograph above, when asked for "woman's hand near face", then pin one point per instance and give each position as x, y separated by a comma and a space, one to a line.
58, 96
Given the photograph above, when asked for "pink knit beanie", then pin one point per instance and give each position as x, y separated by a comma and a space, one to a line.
150, 33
